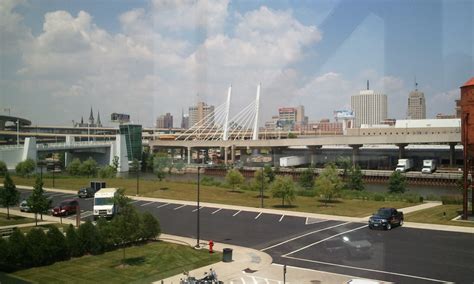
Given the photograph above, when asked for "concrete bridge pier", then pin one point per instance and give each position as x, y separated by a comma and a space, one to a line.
401, 150
276, 155
232, 153
188, 152
315, 151
226, 150
452, 154
355, 154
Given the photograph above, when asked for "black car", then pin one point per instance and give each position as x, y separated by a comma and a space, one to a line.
86, 192
386, 218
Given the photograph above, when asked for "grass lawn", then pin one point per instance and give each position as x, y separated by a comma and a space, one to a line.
14, 220
187, 191
146, 263
435, 215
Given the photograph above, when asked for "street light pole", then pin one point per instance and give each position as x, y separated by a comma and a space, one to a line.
198, 221
261, 191
17, 132
138, 174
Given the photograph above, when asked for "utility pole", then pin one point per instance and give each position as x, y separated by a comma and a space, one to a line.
197, 211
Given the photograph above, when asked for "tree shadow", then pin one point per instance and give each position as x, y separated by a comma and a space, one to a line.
335, 201
285, 206
134, 261
264, 197
164, 188
235, 191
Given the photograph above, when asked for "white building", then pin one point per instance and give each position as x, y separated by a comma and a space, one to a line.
369, 107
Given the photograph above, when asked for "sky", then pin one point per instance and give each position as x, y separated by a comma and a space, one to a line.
146, 58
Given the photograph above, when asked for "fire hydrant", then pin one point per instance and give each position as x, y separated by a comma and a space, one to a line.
211, 244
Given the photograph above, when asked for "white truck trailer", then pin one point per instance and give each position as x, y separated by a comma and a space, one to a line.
293, 161
104, 203
429, 166
404, 165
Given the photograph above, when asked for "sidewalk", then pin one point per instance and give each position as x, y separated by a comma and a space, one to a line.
46, 218
258, 265
405, 210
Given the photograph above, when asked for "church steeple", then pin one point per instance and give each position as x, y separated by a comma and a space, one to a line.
91, 117
99, 124
82, 120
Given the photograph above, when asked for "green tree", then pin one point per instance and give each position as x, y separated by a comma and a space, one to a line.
9, 195
307, 178
57, 246
72, 241
345, 164
19, 254
107, 172
37, 201
25, 168
259, 178
89, 238
234, 178
3, 168
269, 173
161, 163
283, 187
74, 167
115, 163
125, 227
356, 181
149, 227
5, 263
106, 234
38, 247
89, 168
397, 183
329, 183
179, 165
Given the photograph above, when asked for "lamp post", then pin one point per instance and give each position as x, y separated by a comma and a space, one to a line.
261, 190
197, 211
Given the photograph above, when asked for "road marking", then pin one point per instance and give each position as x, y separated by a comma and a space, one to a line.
179, 207
237, 213
310, 221
216, 211
197, 209
243, 281
366, 269
254, 280
282, 216
323, 240
134, 201
147, 203
304, 235
258, 215
163, 205
86, 214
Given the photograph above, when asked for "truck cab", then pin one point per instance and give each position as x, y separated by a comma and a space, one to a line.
429, 166
104, 203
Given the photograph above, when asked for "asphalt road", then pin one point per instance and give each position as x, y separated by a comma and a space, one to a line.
402, 255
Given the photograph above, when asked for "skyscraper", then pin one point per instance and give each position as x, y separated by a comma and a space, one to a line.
369, 107
165, 121
416, 104
198, 112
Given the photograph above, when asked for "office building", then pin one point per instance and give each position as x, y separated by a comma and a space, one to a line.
133, 140
369, 107
184, 121
164, 121
416, 104
200, 111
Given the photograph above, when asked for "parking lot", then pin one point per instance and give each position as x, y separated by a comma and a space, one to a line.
402, 255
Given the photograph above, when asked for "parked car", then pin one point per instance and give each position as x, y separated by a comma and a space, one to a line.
66, 207
86, 192
24, 206
386, 218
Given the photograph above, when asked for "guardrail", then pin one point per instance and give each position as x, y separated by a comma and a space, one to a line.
9, 147
72, 145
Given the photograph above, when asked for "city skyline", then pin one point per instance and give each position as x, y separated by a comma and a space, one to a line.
139, 58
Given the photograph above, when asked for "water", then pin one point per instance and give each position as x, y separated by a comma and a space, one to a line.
422, 190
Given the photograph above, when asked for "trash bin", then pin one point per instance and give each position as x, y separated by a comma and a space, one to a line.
227, 255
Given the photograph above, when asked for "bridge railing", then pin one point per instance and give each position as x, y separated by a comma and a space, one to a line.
10, 147
72, 145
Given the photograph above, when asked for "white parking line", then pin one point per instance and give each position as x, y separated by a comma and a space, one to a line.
179, 207
243, 281
147, 203
323, 240
197, 209
366, 269
134, 201
304, 235
282, 216
258, 215
86, 214
216, 211
310, 221
163, 205
237, 213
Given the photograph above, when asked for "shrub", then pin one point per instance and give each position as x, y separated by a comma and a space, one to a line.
72, 241
234, 178
451, 199
19, 254
88, 238
306, 192
38, 247
307, 178
25, 168
88, 168
149, 227
57, 246
107, 172
379, 197
73, 167
397, 183
283, 187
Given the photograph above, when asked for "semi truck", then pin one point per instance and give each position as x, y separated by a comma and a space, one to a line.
104, 203
429, 166
293, 161
404, 165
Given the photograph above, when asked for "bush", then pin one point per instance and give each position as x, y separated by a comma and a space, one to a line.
209, 181
451, 199
88, 168
306, 192
89, 238
38, 247
25, 168
57, 246
379, 197
73, 167
19, 254
397, 183
107, 172
72, 241
149, 227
